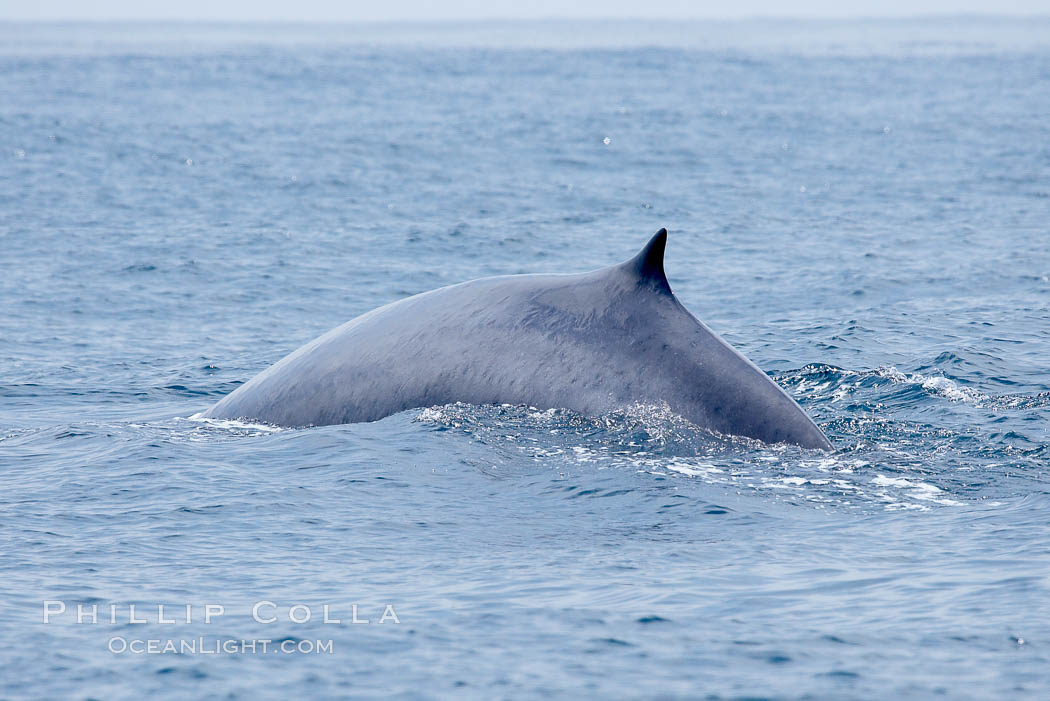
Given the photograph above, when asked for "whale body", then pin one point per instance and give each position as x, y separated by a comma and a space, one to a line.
591, 342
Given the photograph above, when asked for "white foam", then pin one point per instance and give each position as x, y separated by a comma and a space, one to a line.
695, 469
431, 414
935, 384
232, 424
951, 389
915, 490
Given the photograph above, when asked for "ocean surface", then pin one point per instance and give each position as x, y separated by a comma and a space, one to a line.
862, 208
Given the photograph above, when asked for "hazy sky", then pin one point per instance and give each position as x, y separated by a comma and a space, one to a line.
355, 10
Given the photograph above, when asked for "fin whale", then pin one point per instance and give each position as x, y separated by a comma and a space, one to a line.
590, 342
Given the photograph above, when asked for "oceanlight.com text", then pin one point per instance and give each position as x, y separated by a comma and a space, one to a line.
119, 645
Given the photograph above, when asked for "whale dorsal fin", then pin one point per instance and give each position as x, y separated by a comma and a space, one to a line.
648, 265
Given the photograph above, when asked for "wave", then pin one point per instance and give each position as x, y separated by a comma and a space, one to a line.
839, 384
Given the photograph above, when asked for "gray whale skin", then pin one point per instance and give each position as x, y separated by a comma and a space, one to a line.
590, 342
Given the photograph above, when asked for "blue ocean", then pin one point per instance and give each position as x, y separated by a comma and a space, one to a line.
860, 207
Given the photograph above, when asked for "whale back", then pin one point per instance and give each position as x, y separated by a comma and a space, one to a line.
591, 342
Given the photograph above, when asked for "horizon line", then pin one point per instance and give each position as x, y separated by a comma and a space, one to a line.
530, 20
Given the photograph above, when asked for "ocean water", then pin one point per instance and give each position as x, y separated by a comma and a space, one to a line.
862, 208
